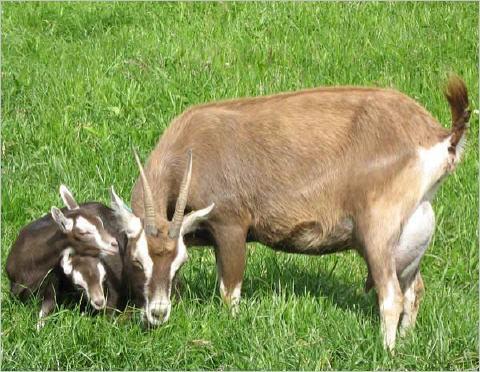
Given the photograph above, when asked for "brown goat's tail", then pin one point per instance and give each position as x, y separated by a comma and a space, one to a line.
457, 97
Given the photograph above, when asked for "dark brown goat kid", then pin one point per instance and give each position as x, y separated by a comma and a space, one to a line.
312, 172
81, 246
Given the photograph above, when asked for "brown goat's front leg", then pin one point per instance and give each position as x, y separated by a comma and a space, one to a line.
230, 253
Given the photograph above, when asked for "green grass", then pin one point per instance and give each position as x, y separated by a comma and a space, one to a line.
82, 83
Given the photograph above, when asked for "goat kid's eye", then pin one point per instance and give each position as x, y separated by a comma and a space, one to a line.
137, 264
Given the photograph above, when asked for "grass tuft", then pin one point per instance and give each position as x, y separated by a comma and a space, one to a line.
83, 83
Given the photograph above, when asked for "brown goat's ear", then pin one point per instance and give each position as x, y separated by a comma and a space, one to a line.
68, 198
65, 224
193, 219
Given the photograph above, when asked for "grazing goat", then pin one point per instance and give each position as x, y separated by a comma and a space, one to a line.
313, 172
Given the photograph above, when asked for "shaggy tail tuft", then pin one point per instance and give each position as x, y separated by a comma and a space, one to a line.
457, 97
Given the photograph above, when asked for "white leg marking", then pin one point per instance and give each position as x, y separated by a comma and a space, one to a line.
389, 300
389, 318
41, 321
408, 304
232, 298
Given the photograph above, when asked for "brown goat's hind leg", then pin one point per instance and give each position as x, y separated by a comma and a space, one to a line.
230, 253
378, 248
413, 295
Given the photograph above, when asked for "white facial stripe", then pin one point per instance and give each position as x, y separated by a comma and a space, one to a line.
66, 261
78, 279
140, 253
180, 258
68, 224
85, 226
102, 272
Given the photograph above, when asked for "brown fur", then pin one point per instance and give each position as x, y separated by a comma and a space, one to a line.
311, 172
456, 94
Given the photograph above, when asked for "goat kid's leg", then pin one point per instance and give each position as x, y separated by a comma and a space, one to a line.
48, 304
230, 254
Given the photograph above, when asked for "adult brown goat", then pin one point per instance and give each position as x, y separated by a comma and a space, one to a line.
313, 172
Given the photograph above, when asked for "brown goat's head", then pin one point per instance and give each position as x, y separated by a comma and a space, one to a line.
157, 245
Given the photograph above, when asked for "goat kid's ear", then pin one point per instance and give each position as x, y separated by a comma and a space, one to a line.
65, 224
66, 261
193, 219
100, 221
68, 198
129, 222
117, 203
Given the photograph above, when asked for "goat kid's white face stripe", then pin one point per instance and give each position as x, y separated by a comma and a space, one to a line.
78, 279
66, 262
101, 271
84, 225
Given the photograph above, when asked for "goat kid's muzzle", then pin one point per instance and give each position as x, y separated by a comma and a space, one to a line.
110, 248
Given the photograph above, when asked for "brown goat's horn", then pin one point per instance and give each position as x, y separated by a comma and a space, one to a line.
174, 230
150, 225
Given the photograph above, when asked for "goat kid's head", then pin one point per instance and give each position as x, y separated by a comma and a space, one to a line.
87, 274
83, 230
157, 245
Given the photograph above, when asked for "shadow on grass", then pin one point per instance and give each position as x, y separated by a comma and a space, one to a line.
289, 280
